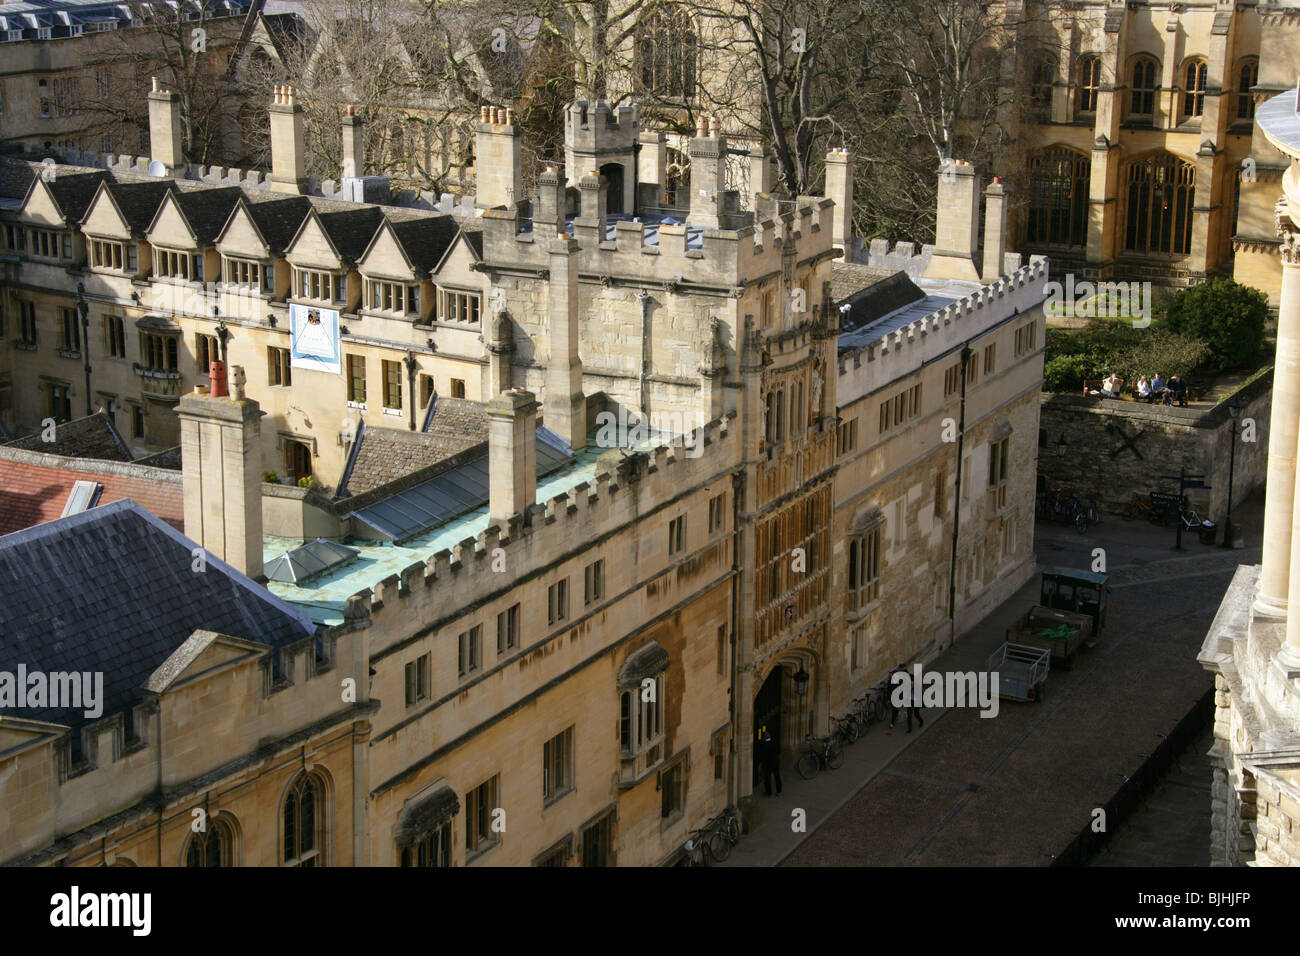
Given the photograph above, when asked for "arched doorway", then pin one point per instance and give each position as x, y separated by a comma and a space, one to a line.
613, 172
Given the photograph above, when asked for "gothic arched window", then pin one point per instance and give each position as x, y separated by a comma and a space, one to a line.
1058, 197
667, 47
1145, 77
1159, 190
303, 822
213, 847
1195, 73
1089, 83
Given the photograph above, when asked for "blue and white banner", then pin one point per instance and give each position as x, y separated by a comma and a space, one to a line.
315, 335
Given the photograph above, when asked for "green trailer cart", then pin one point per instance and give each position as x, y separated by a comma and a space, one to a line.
1060, 632
1080, 592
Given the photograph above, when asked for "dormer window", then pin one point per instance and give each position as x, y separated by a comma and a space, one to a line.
459, 307
394, 297
50, 244
115, 256
249, 273
173, 264
319, 286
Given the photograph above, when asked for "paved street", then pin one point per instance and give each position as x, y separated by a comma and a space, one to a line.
1015, 789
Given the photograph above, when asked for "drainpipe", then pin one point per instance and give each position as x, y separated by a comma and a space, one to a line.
733, 758
966, 354
644, 299
410, 378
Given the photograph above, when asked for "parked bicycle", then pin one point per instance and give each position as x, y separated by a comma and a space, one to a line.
821, 752
872, 706
713, 841
845, 728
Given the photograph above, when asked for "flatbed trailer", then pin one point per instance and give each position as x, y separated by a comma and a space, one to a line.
1022, 671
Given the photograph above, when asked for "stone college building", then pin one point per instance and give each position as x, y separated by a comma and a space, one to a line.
506, 524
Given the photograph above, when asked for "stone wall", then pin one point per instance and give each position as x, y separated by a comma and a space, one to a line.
1115, 449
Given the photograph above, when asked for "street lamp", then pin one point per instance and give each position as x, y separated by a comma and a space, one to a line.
1061, 445
1234, 410
83, 309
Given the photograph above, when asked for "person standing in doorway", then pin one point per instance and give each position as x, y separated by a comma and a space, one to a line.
769, 753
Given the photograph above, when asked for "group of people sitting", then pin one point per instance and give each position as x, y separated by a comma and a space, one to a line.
1149, 390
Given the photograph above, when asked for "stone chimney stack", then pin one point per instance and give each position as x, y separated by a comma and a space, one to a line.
221, 452
652, 162
512, 454
565, 406
956, 240
498, 159
548, 211
839, 186
760, 170
995, 228
589, 227
354, 143
708, 151
288, 156
166, 138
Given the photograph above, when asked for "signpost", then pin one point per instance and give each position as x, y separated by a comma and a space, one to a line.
1185, 481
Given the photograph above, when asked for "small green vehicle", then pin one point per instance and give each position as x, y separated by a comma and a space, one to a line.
1081, 592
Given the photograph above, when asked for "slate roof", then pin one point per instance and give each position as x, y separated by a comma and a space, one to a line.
425, 240
277, 218
74, 191
459, 489
169, 458
386, 454
91, 437
111, 590
351, 229
207, 210
33, 493
138, 201
15, 179
870, 293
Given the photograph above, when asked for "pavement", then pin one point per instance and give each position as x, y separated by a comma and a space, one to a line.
1015, 789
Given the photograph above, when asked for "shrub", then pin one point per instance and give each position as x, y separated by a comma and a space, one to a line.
1065, 373
1159, 350
306, 481
270, 477
1227, 316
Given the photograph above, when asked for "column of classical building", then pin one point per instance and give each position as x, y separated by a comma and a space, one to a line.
1284, 430
1288, 379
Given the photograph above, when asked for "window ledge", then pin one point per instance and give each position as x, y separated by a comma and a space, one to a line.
24, 345
397, 412
552, 801
859, 613
358, 405
69, 353
484, 849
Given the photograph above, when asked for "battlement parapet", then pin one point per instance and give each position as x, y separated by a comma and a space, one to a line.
902, 351
666, 253
440, 587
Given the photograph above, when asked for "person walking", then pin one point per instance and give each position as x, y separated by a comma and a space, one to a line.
894, 681
770, 754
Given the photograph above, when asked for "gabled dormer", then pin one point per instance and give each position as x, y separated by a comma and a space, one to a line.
51, 213
458, 284
115, 222
184, 229
326, 248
